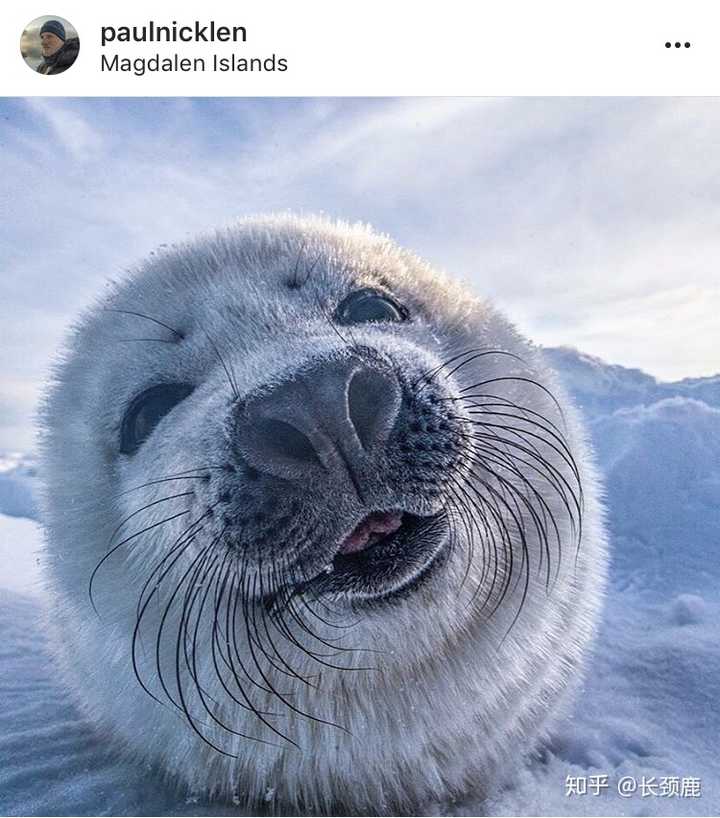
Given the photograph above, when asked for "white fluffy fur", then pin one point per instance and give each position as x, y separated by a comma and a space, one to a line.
452, 706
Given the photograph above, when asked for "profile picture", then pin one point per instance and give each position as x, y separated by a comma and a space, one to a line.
49, 44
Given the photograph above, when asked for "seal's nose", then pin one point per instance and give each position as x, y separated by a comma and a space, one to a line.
331, 417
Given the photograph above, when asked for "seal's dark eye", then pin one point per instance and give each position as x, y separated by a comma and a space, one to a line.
369, 305
147, 410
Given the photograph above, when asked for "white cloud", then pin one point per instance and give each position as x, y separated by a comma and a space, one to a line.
73, 132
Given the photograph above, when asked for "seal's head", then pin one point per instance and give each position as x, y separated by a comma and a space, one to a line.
322, 527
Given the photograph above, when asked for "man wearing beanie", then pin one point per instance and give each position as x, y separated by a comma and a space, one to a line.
59, 52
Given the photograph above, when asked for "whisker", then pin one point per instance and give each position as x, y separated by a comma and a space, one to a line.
179, 335
119, 545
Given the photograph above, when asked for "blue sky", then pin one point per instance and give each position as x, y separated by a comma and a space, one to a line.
591, 222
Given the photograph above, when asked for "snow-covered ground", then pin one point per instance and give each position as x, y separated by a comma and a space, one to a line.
648, 712
18, 477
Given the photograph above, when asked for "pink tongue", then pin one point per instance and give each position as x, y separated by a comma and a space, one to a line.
369, 531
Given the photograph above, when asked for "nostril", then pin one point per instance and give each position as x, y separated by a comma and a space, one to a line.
373, 402
282, 440
325, 421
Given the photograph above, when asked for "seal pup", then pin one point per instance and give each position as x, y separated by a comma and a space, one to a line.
323, 529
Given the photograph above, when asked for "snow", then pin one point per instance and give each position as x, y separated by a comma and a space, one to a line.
601, 388
649, 704
647, 709
53, 763
20, 542
18, 475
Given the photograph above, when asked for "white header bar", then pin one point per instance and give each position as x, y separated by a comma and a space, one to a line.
374, 48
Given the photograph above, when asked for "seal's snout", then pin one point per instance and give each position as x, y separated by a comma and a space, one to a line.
329, 418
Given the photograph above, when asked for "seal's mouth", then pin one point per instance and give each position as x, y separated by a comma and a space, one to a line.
371, 530
386, 554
